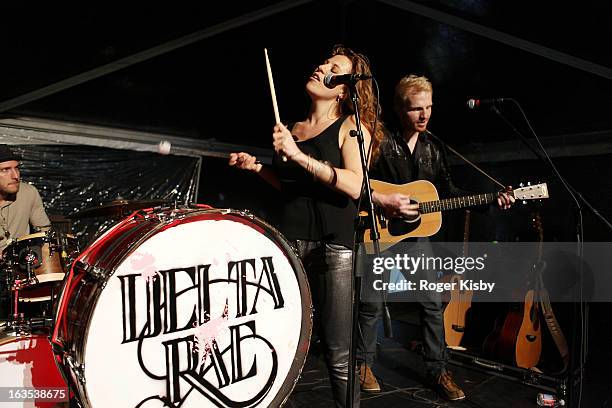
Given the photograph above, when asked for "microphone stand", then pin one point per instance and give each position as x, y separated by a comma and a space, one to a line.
375, 236
578, 198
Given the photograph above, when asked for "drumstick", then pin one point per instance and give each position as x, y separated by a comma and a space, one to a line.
273, 93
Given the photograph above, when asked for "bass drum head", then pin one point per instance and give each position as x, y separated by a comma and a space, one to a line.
210, 310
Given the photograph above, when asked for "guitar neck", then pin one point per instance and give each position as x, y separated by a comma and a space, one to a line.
457, 202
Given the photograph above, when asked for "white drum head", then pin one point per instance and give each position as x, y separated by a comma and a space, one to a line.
142, 347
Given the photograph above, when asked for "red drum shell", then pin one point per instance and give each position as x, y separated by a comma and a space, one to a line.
27, 362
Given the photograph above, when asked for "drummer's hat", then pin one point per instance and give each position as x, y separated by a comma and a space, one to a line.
6, 154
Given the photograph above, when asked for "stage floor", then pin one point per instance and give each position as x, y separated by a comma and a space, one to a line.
400, 373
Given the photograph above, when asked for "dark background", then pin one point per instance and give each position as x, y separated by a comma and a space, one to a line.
216, 88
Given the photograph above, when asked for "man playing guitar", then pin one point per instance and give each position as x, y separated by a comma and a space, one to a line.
409, 155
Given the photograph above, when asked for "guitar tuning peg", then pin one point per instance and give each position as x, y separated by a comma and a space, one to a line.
521, 185
529, 183
524, 201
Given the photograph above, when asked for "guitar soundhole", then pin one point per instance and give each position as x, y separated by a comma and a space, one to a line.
530, 338
402, 226
459, 329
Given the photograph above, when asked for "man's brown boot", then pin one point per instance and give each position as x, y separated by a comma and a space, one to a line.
447, 387
367, 381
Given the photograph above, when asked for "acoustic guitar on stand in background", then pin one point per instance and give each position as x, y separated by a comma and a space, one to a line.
460, 301
529, 339
519, 339
429, 220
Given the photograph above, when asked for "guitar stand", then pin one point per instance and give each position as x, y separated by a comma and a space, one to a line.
530, 377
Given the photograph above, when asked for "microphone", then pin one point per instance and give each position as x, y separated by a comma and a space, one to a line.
484, 103
331, 81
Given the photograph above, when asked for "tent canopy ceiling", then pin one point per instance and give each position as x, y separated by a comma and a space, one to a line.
187, 71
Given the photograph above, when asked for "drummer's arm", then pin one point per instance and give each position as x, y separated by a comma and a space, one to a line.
38, 217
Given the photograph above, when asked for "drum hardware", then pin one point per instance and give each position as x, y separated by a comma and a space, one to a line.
174, 214
97, 272
18, 324
69, 258
40, 322
41, 255
34, 271
30, 259
177, 215
161, 216
16, 317
247, 213
81, 267
78, 369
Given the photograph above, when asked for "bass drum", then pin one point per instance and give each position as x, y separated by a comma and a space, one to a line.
184, 308
26, 363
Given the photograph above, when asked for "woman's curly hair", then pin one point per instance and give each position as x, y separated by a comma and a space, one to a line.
368, 104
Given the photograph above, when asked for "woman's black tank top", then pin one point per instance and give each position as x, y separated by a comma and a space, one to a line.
312, 210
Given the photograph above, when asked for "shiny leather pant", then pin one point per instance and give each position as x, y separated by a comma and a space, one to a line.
329, 271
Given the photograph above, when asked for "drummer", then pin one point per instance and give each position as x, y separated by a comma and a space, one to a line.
20, 203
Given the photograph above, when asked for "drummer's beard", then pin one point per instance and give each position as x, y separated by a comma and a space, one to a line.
9, 192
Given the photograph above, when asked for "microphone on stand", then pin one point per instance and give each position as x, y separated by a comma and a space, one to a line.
484, 103
331, 81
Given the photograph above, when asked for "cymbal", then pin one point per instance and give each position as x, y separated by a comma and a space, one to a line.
117, 208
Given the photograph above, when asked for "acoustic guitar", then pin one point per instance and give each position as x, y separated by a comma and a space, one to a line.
429, 220
460, 301
529, 340
519, 339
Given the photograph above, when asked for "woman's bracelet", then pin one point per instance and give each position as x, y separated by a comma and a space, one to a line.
316, 168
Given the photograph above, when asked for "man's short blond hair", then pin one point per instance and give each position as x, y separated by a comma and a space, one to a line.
408, 85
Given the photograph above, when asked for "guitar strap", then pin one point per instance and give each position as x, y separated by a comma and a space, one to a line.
553, 326
544, 301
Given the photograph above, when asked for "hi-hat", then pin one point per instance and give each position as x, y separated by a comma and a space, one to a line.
117, 208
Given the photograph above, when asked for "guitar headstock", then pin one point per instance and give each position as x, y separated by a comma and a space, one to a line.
531, 192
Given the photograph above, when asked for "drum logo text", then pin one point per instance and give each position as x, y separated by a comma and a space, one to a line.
161, 304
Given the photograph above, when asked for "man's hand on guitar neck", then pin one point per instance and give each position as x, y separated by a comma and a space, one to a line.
504, 199
395, 205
